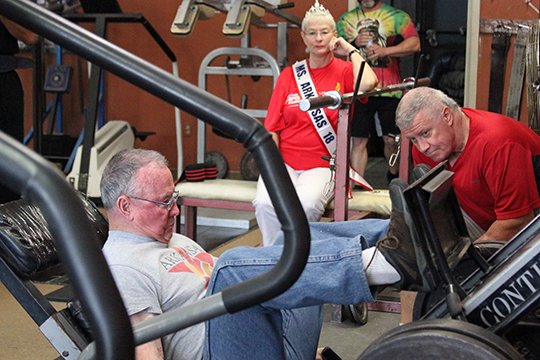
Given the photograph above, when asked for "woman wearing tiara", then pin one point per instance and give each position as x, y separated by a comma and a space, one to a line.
305, 139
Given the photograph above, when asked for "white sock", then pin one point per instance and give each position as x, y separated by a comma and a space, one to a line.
380, 271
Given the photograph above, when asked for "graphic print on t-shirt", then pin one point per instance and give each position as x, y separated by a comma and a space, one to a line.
189, 259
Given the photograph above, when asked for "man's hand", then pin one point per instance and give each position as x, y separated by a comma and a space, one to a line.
363, 39
375, 52
505, 230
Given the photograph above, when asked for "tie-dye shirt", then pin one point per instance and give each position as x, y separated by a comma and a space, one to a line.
391, 25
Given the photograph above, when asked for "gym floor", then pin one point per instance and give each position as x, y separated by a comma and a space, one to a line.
20, 338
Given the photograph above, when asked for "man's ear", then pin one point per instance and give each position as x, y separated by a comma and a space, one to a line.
448, 116
123, 205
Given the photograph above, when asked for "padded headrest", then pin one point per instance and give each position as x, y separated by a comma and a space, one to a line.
444, 62
26, 243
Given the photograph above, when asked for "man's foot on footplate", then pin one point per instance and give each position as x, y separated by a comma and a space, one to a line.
397, 247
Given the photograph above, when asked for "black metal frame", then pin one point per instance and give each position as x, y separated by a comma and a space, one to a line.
427, 198
37, 180
27, 252
67, 331
503, 294
434, 192
515, 261
26, 294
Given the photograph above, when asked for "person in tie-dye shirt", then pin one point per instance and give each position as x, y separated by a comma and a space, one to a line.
383, 34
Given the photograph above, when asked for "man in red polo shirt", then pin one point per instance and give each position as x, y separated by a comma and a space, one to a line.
491, 155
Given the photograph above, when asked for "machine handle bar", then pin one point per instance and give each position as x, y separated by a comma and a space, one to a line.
87, 268
334, 99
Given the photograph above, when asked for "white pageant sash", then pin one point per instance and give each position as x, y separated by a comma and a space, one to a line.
318, 116
319, 119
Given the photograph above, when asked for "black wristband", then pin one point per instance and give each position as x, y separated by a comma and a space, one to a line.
354, 51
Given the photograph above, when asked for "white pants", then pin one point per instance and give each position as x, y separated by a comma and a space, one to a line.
311, 188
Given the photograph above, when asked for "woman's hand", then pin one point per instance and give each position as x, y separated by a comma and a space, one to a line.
340, 46
275, 137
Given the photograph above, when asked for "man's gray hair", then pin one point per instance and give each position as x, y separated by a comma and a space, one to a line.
422, 99
118, 176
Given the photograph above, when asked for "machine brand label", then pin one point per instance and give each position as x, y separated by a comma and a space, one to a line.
512, 294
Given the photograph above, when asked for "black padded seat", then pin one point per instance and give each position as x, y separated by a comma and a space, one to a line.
446, 70
26, 243
27, 251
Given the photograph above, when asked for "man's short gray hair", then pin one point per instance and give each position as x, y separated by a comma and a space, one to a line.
421, 99
118, 176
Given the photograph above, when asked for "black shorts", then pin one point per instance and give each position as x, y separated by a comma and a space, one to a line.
364, 116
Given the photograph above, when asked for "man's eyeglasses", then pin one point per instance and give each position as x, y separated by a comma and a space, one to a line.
166, 204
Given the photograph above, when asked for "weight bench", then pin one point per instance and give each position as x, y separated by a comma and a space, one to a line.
27, 249
239, 194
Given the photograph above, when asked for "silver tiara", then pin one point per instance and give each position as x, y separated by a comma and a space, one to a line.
317, 9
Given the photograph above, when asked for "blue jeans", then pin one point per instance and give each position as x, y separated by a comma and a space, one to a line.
288, 326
